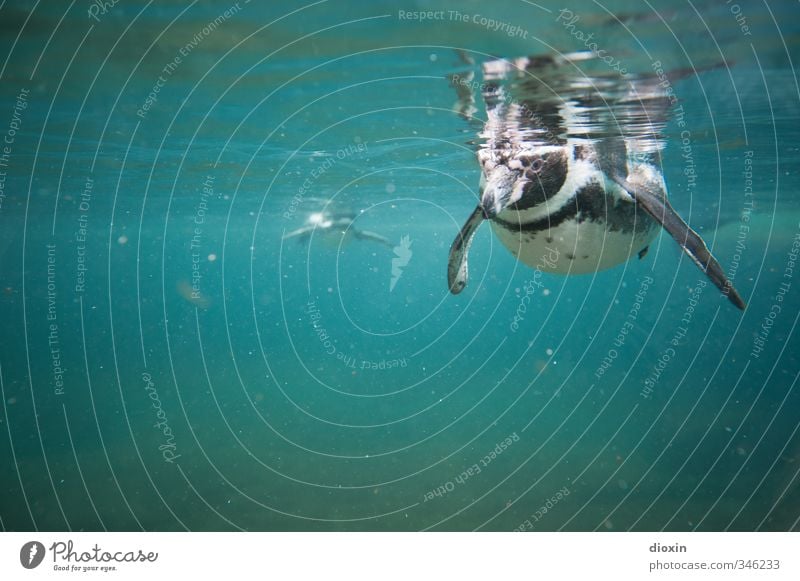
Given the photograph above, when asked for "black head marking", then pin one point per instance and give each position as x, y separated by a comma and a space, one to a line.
545, 174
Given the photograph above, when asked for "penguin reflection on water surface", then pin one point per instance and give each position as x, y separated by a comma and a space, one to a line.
569, 173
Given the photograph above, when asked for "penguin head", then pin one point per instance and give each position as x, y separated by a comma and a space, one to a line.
524, 181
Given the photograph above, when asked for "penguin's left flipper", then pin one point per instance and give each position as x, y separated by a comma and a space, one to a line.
375, 237
653, 201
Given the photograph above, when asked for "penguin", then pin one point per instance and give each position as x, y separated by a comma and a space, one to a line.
570, 173
333, 226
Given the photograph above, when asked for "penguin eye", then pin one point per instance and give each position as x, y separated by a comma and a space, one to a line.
537, 165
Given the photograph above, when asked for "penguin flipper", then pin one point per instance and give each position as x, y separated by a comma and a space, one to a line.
457, 265
375, 237
301, 233
652, 200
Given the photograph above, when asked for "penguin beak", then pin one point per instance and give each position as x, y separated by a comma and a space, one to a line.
497, 193
491, 204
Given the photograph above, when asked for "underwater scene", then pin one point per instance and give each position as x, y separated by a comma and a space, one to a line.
246, 283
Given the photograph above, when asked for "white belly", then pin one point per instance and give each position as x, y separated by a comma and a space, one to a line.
575, 247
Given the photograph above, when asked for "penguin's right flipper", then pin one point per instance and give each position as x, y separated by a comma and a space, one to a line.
301, 233
652, 200
457, 265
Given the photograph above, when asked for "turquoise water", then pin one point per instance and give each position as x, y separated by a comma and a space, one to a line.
170, 362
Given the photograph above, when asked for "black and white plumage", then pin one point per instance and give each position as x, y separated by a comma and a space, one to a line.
568, 179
